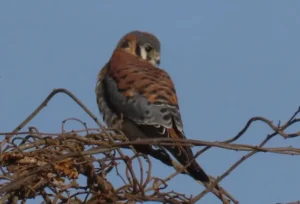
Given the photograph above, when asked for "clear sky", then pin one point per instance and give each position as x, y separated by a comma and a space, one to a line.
230, 60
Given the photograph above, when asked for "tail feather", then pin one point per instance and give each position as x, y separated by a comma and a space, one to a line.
184, 155
197, 172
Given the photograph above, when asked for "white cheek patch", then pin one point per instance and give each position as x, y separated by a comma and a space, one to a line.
153, 62
143, 53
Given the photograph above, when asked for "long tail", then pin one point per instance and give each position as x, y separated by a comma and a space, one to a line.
184, 155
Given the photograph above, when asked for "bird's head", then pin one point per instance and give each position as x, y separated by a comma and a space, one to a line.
143, 45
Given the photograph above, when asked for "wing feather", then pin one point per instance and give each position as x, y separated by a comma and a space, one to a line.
142, 92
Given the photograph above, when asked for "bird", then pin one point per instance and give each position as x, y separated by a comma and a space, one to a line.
133, 90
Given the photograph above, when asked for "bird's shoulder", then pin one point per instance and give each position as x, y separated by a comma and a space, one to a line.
134, 76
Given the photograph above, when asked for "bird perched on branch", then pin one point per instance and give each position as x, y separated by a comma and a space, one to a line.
131, 88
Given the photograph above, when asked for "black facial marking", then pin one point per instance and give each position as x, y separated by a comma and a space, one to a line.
138, 50
125, 44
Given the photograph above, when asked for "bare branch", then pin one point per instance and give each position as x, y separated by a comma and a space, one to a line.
48, 165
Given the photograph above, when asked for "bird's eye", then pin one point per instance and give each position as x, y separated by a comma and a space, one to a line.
148, 48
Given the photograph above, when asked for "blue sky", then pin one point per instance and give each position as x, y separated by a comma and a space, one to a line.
229, 60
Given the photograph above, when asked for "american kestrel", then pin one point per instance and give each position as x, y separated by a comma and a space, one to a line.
133, 90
